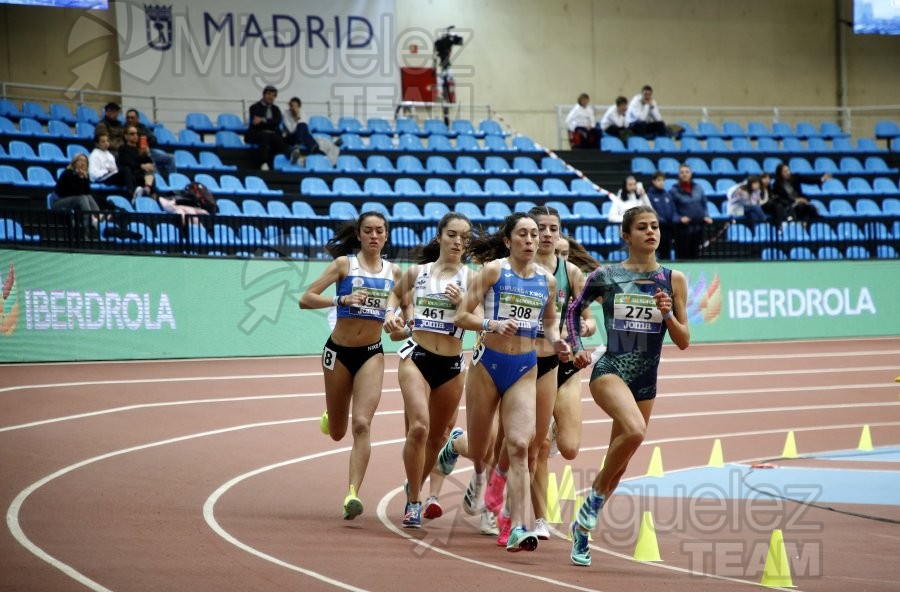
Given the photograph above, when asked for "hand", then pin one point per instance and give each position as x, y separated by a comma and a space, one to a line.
454, 293
507, 327
582, 359
826, 176
663, 302
258, 120
393, 322
357, 298
562, 350
707, 220
685, 220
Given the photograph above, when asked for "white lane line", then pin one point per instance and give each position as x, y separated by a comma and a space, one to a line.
383, 517
12, 513
795, 371
845, 354
137, 407
209, 507
171, 379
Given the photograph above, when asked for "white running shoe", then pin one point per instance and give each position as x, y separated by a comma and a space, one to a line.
541, 529
488, 523
472, 500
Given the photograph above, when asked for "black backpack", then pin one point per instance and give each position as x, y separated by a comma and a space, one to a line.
199, 196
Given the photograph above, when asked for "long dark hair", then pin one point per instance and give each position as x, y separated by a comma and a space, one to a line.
544, 211
346, 239
490, 247
630, 215
579, 256
779, 175
429, 252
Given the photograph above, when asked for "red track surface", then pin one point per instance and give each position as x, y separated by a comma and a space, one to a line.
107, 469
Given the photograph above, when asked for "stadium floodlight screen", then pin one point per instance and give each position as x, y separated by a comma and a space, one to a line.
876, 17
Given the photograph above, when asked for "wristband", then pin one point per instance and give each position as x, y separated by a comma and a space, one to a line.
336, 300
486, 325
408, 331
668, 315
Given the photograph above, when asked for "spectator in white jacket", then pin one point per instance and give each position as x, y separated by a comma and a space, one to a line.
643, 116
613, 121
630, 196
582, 125
102, 167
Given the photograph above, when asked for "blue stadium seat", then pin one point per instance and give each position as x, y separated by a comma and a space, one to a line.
378, 187
612, 144
318, 163
498, 188
381, 142
819, 145
781, 129
830, 129
638, 144
408, 126
527, 187
773, 254
867, 207
885, 130
834, 187
406, 210
891, 207
467, 187
200, 123
213, 184
840, 207
690, 144
768, 145
314, 186
230, 122
749, 166
378, 163
19, 150
407, 187
185, 160
743, 145
868, 145
119, 203
491, 128
524, 144
147, 205
876, 164
850, 164
165, 137
85, 114
800, 254
792, 144
738, 233
404, 236
12, 176
494, 165
375, 206
440, 143
410, 142
226, 139
885, 186
586, 209
436, 127
38, 176
210, 160
469, 144
821, 232
857, 252
347, 163
379, 125
895, 145
469, 209
801, 166
885, 252
554, 165
668, 165
829, 253
707, 187
733, 129
807, 130
32, 127
351, 142
319, 124
843, 145
687, 129
858, 186
708, 129
823, 164
723, 166
717, 144
441, 166
257, 186
434, 210
584, 187
62, 113
560, 207
227, 207
253, 207
59, 129
555, 187
412, 165
350, 125
345, 186
589, 236
11, 230
301, 209
849, 231
496, 210
526, 165
496, 143
642, 165
465, 127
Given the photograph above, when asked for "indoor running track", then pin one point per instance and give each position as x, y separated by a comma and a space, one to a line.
213, 475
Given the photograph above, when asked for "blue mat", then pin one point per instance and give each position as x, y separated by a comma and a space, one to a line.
883, 454
811, 485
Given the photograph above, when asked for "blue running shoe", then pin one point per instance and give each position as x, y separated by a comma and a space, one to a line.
447, 457
413, 518
587, 514
521, 540
581, 547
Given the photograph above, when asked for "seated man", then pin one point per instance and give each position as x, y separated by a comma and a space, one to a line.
643, 116
112, 127
165, 162
296, 131
613, 121
583, 132
136, 165
265, 129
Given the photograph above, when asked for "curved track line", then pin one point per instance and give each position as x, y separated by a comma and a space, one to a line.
12, 513
210, 504
844, 354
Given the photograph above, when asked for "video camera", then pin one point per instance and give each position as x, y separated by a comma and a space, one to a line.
444, 44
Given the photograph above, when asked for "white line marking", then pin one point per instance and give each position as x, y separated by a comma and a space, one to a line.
844, 354
776, 372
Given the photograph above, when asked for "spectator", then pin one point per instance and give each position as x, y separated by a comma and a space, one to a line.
73, 188
690, 203
583, 132
112, 127
265, 129
296, 131
102, 167
136, 165
613, 121
744, 201
643, 116
164, 162
630, 196
664, 205
788, 198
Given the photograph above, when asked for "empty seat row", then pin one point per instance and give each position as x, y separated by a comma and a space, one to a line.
828, 253
819, 232
49, 152
465, 187
750, 166
469, 165
58, 111
740, 145
437, 143
757, 129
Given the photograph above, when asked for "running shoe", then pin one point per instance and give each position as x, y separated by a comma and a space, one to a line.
493, 495
413, 517
447, 457
587, 514
521, 540
581, 548
504, 525
323, 424
554, 447
488, 524
432, 509
472, 500
541, 529
353, 506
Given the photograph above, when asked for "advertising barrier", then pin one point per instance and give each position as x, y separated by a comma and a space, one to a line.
65, 306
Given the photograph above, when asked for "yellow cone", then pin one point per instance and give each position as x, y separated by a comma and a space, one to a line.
715, 458
567, 485
553, 514
656, 466
865, 439
647, 548
790, 447
777, 573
